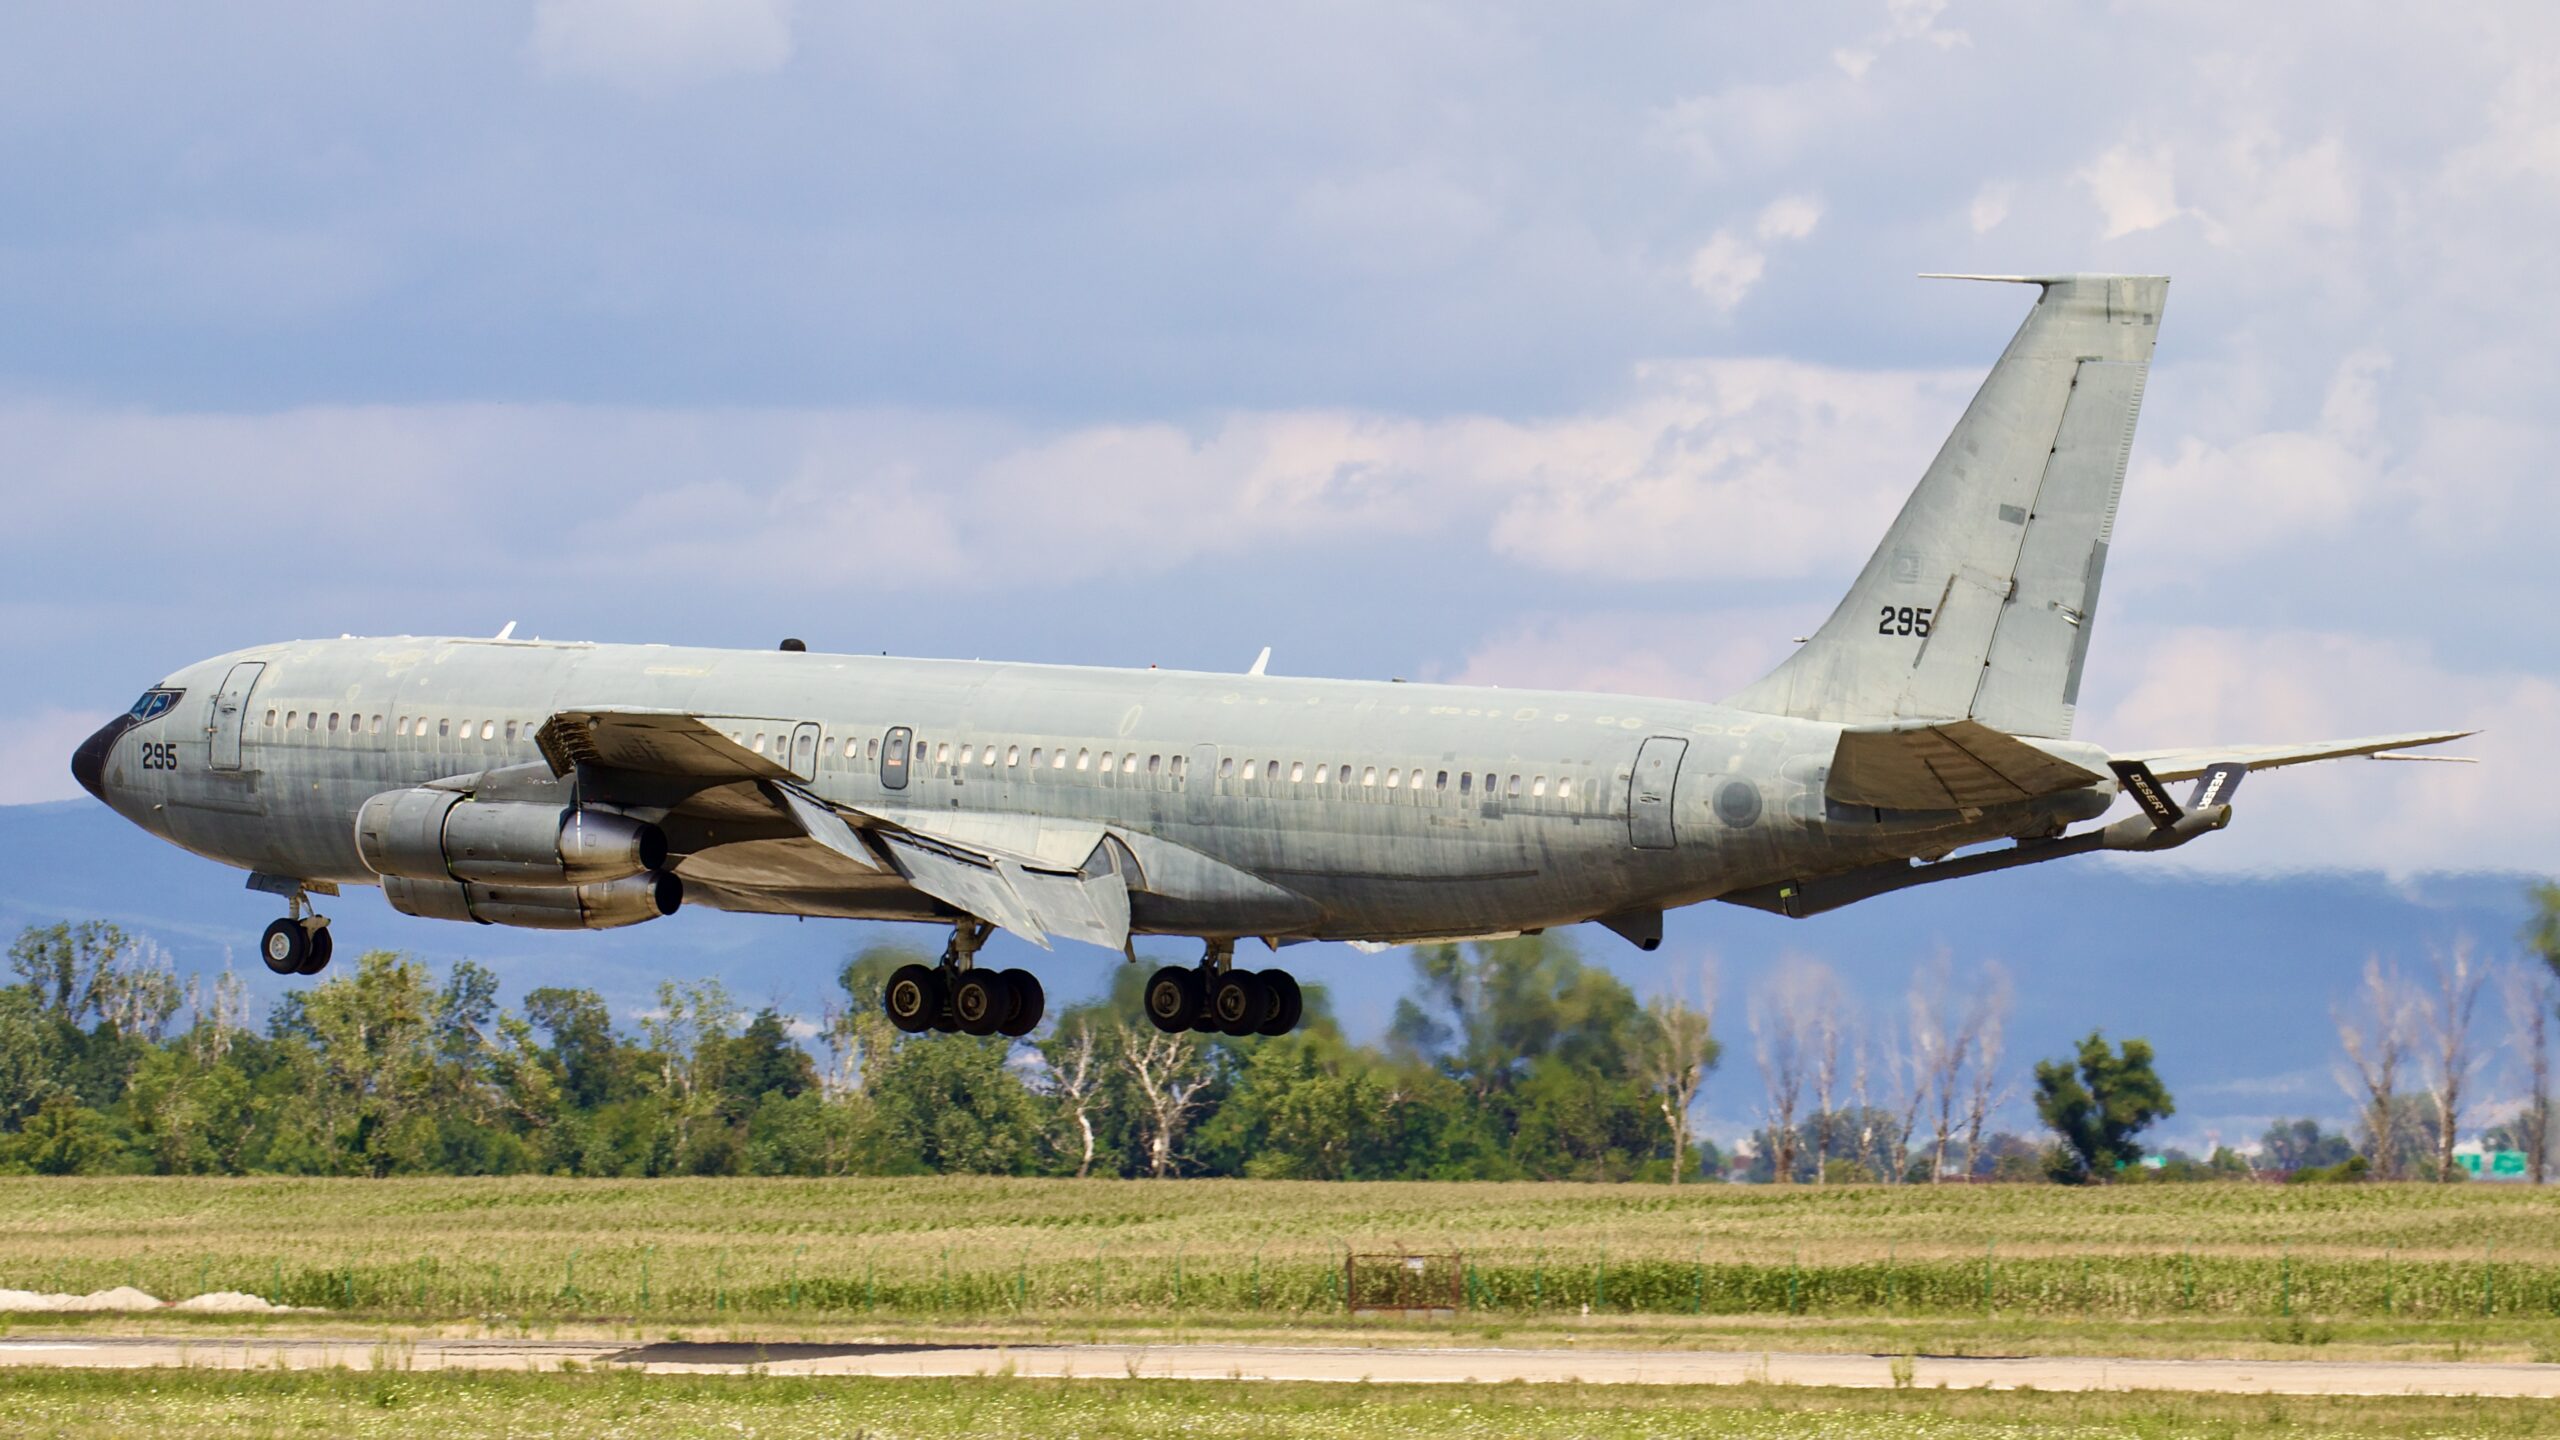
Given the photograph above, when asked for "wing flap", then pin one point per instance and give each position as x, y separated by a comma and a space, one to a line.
655, 742
2188, 762
1946, 765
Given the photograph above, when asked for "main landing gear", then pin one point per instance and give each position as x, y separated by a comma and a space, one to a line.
1218, 997
299, 944
958, 996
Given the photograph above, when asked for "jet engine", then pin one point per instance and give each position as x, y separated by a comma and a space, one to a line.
430, 834
604, 906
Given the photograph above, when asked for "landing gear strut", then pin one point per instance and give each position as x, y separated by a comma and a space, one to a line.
1216, 996
957, 996
299, 944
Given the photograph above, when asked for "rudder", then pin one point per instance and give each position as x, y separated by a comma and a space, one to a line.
1979, 603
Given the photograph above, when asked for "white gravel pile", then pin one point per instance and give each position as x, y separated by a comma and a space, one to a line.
126, 1298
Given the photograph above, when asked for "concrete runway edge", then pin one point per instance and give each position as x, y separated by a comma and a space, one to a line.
1309, 1363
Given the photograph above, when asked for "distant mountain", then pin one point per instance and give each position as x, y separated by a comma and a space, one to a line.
2232, 980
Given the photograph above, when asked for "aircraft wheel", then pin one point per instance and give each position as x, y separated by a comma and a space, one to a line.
321, 947
980, 1001
1173, 998
914, 998
1287, 1004
1028, 1001
284, 947
1237, 1000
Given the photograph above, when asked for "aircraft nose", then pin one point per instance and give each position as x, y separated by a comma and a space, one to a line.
89, 762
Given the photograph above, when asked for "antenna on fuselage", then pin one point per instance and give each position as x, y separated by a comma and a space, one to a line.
506, 632
1261, 661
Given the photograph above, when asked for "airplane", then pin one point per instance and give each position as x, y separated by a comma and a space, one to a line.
562, 785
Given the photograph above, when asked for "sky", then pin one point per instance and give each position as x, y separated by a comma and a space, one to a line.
1524, 345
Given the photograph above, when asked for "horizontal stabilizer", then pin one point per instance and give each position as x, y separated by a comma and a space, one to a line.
2187, 763
1950, 765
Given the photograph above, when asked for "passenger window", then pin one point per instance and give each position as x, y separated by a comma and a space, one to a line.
333, 722
374, 727
1342, 776
290, 716
1129, 763
1226, 769
1105, 766
488, 729
1442, 783
444, 728
511, 732
1013, 757
893, 758
1369, 775
964, 754
942, 754
1035, 757
1392, 777
1538, 788
271, 719
311, 720
870, 750
1084, 759
1058, 758
1466, 782
1155, 764
1297, 772
987, 758
1564, 787
1513, 793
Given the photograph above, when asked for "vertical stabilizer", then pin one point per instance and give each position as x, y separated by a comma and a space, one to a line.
1979, 603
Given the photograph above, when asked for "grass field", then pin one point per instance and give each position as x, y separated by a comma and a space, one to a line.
185, 1404
2457, 1265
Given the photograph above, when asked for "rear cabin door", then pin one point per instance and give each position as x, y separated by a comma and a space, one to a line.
1649, 793
804, 750
231, 713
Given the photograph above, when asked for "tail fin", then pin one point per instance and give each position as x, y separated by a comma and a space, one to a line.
1978, 604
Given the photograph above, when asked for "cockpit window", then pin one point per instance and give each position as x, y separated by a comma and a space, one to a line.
154, 704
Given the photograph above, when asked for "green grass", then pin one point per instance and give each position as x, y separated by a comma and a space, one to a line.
183, 1404
2299, 1264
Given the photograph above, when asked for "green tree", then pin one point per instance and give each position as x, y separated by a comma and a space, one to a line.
954, 1104
2098, 1108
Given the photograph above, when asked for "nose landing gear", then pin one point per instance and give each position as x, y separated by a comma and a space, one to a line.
957, 996
1215, 996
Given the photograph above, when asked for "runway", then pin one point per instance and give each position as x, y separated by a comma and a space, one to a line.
1345, 1365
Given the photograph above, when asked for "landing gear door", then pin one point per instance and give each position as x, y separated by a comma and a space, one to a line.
1649, 793
231, 713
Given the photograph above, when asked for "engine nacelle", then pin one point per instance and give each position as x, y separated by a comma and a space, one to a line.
428, 834
605, 906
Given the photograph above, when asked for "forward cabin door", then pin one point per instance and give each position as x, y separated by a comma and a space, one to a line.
231, 713
1649, 793
804, 750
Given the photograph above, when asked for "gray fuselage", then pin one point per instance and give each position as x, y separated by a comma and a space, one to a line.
1394, 811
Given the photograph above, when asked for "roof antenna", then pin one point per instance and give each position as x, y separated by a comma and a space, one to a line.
1261, 661
509, 632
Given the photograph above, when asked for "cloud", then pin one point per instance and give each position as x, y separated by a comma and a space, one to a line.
2135, 189
1990, 206
652, 45
1728, 268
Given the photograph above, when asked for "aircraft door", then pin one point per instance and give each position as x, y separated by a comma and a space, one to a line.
893, 758
804, 750
1200, 780
1649, 793
231, 713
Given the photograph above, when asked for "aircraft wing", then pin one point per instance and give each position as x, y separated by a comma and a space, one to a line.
1944, 765
2188, 762
1033, 876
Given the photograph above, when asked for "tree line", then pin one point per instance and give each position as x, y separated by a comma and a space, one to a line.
1512, 1059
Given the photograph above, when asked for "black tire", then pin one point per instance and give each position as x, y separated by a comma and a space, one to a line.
1029, 1000
913, 998
284, 947
1173, 999
321, 947
1288, 1006
1237, 1002
981, 1001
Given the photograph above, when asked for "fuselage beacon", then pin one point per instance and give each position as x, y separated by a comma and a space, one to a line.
1251, 805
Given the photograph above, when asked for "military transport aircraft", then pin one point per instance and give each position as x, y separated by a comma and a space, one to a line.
586, 786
